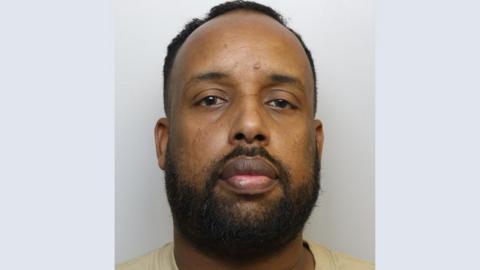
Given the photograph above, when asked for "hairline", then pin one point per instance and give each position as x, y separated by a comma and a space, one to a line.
280, 20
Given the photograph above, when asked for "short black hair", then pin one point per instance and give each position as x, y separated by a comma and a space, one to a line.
216, 11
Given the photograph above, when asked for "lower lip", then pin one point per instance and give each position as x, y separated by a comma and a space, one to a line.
249, 184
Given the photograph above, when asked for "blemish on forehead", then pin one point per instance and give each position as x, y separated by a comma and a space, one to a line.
257, 66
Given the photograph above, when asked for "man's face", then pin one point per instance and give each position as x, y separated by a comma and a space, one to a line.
241, 148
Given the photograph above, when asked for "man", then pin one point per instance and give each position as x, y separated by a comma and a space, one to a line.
240, 146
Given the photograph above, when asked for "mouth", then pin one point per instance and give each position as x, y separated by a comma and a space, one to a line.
249, 176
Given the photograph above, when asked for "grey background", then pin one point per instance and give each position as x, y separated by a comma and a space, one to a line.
340, 35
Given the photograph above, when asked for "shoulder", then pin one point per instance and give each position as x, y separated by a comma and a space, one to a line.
159, 259
327, 259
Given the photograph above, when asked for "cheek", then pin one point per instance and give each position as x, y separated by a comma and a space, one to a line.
296, 151
196, 149
206, 144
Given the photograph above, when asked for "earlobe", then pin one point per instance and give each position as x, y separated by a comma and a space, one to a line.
161, 141
319, 137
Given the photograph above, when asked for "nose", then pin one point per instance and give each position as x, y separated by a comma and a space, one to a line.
249, 125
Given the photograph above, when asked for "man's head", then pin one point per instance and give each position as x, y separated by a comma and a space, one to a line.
216, 11
240, 148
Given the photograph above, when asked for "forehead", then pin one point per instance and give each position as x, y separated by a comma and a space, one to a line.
237, 41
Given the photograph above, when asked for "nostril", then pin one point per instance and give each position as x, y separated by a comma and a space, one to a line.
242, 137
260, 137
239, 136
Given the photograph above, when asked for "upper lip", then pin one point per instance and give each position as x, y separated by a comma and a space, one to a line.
248, 166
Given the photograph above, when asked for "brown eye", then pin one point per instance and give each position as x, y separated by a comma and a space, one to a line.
281, 103
210, 101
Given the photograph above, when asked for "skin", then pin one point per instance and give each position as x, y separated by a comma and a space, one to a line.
223, 95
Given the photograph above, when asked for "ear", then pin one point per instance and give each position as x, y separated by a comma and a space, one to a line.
319, 136
161, 140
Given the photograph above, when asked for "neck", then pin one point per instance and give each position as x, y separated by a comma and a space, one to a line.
293, 256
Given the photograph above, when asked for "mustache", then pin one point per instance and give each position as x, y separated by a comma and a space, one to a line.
250, 152
256, 151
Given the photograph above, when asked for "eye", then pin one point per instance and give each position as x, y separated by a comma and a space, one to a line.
210, 101
281, 103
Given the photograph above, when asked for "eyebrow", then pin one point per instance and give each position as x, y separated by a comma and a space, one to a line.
282, 78
275, 78
208, 76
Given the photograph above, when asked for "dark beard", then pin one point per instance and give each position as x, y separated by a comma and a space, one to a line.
214, 226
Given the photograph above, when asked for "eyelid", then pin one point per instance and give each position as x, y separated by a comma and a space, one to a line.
282, 94
203, 99
290, 104
278, 93
210, 92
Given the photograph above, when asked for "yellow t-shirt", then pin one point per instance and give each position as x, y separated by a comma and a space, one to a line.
325, 259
